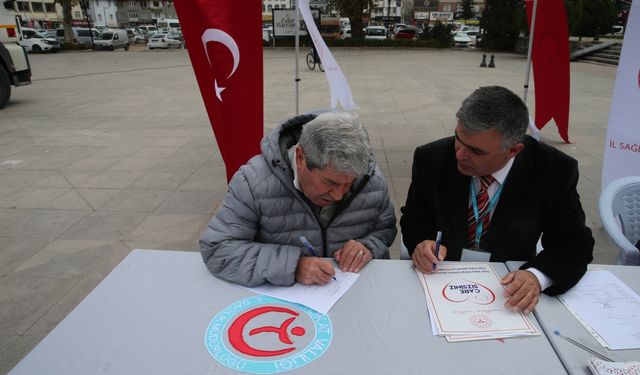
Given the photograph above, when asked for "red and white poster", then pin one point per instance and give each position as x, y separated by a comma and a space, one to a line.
622, 144
224, 39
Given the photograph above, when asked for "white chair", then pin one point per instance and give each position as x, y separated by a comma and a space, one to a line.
620, 214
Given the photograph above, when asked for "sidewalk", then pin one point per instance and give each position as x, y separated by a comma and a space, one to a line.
110, 151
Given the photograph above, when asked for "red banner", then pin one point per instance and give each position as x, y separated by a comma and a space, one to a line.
550, 58
224, 39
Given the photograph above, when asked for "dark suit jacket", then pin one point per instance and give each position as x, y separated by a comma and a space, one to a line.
539, 196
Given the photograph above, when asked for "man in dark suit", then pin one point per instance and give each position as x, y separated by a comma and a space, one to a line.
493, 191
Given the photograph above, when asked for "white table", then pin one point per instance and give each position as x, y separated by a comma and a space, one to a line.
553, 315
149, 316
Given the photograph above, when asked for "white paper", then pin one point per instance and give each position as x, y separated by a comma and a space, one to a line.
609, 307
318, 297
466, 302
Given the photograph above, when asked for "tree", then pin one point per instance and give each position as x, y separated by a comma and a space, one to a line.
353, 9
466, 9
591, 18
502, 21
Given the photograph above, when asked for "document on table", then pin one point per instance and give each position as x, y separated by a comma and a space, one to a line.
607, 306
465, 302
318, 297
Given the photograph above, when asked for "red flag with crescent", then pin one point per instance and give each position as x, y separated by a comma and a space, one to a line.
550, 58
224, 39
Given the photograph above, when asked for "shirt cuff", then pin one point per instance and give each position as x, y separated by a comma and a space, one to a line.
543, 279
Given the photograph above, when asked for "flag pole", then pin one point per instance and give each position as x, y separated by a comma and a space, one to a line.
297, 37
533, 130
531, 33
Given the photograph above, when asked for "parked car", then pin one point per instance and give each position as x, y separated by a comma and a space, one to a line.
160, 40
35, 42
461, 39
80, 35
346, 33
375, 32
476, 37
405, 33
134, 36
112, 39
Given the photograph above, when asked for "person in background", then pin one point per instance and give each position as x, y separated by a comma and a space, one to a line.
316, 177
493, 191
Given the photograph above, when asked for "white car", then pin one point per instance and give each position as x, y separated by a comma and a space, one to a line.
163, 41
33, 41
461, 39
375, 33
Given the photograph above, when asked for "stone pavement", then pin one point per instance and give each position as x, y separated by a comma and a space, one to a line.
110, 151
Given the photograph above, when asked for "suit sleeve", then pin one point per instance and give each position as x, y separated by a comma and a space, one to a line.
417, 221
227, 245
566, 240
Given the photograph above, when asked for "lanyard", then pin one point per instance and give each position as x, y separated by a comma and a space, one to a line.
476, 214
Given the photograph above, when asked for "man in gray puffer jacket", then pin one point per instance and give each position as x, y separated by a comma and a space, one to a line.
316, 178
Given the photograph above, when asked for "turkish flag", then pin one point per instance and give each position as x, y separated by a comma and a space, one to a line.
224, 39
550, 58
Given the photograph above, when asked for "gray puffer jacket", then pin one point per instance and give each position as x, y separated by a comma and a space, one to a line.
255, 235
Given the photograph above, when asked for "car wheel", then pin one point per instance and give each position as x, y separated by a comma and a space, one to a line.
112, 47
126, 47
5, 87
36, 49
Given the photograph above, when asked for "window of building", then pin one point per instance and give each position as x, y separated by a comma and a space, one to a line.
37, 7
111, 17
156, 4
50, 7
100, 17
133, 14
269, 8
77, 15
446, 8
276, 6
143, 4
23, 5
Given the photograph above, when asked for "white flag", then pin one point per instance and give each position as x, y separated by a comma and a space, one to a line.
338, 85
622, 145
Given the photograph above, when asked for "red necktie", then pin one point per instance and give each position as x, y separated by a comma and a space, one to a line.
483, 211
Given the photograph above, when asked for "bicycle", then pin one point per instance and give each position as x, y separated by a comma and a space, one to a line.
311, 61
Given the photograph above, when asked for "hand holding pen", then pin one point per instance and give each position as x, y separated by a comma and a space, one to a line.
312, 269
428, 253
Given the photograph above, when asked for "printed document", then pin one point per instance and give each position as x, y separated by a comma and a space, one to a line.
607, 306
466, 302
318, 297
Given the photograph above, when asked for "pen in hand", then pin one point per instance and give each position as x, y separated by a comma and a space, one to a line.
307, 244
438, 240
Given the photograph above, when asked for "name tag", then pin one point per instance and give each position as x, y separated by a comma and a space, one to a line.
469, 255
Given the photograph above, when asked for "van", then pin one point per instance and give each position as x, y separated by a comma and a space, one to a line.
112, 39
80, 35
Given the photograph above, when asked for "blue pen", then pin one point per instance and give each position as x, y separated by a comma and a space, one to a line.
307, 244
438, 240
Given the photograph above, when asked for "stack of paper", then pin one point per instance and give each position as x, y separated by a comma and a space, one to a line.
466, 302
608, 309
600, 367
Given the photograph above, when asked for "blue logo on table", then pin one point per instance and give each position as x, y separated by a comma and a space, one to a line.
264, 335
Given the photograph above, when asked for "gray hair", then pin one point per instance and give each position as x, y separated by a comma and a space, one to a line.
337, 139
495, 107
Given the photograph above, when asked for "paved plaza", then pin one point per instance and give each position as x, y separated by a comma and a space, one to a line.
110, 151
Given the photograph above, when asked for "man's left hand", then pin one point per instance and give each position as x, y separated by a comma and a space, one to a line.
353, 256
522, 291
